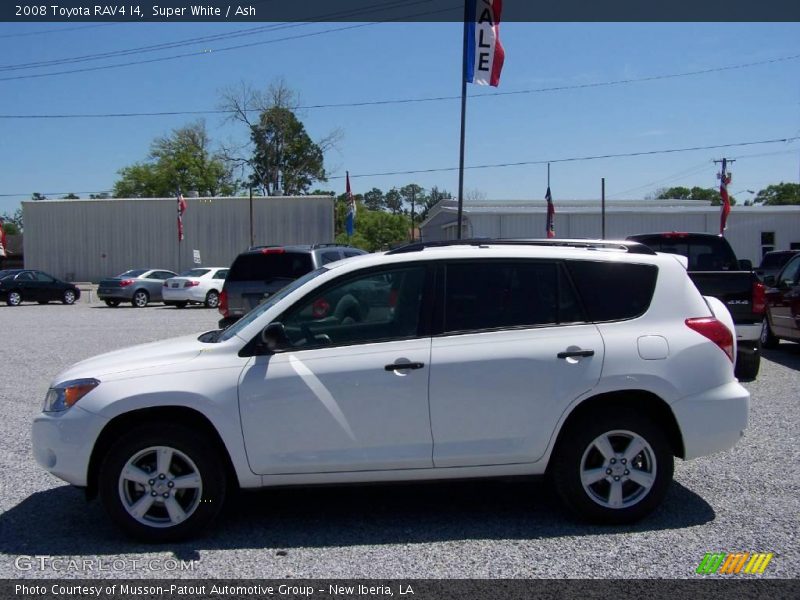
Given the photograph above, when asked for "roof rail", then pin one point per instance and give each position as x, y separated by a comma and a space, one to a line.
326, 245
627, 246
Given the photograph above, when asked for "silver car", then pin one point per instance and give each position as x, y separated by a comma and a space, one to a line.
138, 286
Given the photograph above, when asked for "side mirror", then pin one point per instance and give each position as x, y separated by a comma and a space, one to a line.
274, 337
769, 280
745, 265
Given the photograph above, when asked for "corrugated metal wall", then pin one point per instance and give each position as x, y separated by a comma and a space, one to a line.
86, 240
744, 228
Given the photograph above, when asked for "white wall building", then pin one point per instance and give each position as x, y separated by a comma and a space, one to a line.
752, 230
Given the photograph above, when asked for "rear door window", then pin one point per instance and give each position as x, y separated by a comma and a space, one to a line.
504, 294
613, 291
330, 256
706, 254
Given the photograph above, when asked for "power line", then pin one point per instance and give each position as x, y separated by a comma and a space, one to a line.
203, 39
413, 100
514, 164
223, 49
61, 30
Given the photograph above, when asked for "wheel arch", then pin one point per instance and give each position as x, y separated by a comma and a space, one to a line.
642, 401
157, 414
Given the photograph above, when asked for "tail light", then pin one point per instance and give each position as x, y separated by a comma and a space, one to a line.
125, 282
715, 331
759, 298
272, 250
223, 303
320, 308
191, 284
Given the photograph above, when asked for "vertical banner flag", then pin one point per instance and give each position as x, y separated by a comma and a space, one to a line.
724, 180
485, 53
350, 220
181, 210
2, 240
551, 215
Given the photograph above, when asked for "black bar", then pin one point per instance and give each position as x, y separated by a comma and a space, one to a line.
463, 125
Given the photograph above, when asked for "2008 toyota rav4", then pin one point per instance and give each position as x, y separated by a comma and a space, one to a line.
591, 362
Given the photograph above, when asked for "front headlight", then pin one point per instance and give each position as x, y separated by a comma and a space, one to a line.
60, 397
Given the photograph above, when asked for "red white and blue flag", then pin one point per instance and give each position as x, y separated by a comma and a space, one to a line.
551, 215
485, 53
724, 180
350, 219
181, 210
3, 251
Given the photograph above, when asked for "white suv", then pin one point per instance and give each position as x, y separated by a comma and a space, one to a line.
591, 362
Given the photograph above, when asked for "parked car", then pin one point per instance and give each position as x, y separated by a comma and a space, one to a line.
772, 262
782, 321
196, 286
594, 363
715, 270
26, 285
263, 270
138, 286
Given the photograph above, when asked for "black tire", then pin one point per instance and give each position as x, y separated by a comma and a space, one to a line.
140, 299
112, 303
181, 304
576, 452
212, 299
203, 504
69, 297
768, 339
14, 298
748, 362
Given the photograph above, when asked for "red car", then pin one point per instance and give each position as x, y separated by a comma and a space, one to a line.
783, 306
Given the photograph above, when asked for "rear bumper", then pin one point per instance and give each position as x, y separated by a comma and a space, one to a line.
714, 420
192, 294
115, 294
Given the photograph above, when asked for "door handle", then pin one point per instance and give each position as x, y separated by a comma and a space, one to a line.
575, 354
402, 366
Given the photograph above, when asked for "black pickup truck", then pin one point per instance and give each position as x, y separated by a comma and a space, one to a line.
716, 272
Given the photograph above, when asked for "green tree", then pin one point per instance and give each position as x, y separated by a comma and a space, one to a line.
393, 200
38, 196
182, 160
12, 224
376, 230
695, 193
70, 196
374, 200
281, 157
778, 194
431, 199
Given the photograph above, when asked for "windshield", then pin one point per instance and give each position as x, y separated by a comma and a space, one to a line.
269, 303
133, 273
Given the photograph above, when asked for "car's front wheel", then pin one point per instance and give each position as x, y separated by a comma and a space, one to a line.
612, 468
162, 483
14, 299
68, 297
140, 299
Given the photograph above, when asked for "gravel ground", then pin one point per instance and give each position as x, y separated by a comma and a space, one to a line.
745, 499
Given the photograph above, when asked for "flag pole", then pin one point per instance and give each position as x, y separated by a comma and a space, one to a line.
463, 123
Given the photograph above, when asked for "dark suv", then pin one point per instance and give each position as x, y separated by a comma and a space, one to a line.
262, 270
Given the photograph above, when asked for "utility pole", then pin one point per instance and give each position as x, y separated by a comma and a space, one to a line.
413, 199
603, 208
724, 162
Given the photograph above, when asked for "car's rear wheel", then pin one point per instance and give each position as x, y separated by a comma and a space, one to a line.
162, 483
612, 467
140, 299
212, 299
112, 303
68, 297
768, 339
14, 298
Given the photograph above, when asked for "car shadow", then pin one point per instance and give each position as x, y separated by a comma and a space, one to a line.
60, 522
787, 354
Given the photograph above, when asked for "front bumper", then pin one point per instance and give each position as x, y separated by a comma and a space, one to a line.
63, 442
714, 420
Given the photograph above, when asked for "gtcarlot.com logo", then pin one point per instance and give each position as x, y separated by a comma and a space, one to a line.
723, 563
83, 565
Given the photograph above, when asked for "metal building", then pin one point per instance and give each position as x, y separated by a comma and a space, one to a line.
87, 240
752, 230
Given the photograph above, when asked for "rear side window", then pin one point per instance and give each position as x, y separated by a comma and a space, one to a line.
613, 291
329, 257
502, 294
195, 272
269, 267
